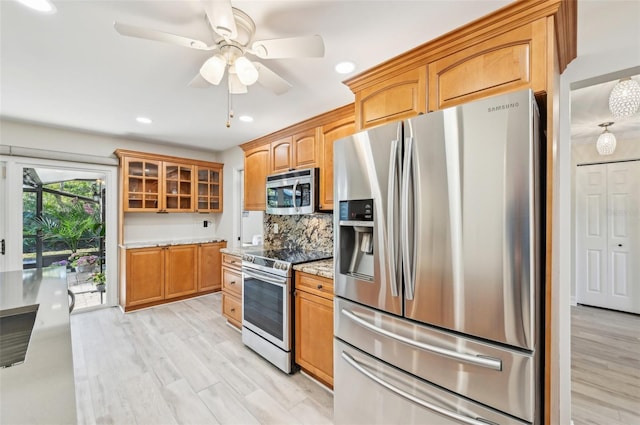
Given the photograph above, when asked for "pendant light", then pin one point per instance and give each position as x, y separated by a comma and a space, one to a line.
624, 99
606, 143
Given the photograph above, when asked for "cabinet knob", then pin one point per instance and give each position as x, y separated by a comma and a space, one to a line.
232, 283
319, 286
233, 309
620, 244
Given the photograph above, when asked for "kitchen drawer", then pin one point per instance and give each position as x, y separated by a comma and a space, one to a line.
232, 281
313, 284
231, 261
232, 309
488, 373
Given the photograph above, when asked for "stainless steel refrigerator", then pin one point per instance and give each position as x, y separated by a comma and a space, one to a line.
437, 268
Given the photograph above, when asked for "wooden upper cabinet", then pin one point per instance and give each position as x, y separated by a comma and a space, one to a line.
512, 61
160, 183
305, 149
208, 189
398, 97
329, 133
256, 169
178, 187
281, 155
142, 184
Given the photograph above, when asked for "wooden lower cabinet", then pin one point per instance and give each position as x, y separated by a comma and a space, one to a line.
159, 274
145, 276
180, 271
232, 289
209, 266
314, 326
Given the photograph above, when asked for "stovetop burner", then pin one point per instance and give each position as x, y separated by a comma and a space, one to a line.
291, 256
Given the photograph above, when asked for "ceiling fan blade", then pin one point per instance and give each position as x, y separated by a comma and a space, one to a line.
213, 69
310, 47
270, 80
199, 82
220, 15
149, 34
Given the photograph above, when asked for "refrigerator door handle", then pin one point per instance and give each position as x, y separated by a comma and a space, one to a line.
392, 219
476, 360
400, 392
408, 242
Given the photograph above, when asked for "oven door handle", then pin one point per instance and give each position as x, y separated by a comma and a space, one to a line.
264, 276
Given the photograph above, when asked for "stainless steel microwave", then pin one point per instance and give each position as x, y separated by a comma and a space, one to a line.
293, 192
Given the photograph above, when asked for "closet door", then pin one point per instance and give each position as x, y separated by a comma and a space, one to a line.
608, 235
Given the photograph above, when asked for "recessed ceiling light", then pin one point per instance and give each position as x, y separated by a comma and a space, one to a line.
144, 120
44, 6
345, 67
245, 118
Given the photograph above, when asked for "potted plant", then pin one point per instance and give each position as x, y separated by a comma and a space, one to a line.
100, 280
84, 263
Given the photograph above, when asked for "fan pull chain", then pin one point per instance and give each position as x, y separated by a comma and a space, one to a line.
229, 110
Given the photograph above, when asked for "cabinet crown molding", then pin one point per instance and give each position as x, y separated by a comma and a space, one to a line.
121, 153
507, 18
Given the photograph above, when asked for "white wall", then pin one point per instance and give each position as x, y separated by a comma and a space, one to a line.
227, 224
15, 133
608, 41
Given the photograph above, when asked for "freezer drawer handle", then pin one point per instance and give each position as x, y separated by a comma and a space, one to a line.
483, 361
461, 418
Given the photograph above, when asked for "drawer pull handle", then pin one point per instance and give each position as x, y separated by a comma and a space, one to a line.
233, 310
319, 286
233, 283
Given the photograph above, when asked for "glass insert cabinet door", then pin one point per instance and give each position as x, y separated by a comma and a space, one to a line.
142, 185
178, 182
209, 190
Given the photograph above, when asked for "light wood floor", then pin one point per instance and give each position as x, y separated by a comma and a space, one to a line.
181, 364
605, 367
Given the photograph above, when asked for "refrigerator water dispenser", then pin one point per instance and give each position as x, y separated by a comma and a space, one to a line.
356, 234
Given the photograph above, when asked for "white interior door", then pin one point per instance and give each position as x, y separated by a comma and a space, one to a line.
608, 235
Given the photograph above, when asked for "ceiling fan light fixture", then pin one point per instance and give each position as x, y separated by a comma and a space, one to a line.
44, 6
624, 99
235, 85
606, 143
246, 71
213, 69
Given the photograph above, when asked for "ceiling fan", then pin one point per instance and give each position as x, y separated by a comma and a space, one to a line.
233, 32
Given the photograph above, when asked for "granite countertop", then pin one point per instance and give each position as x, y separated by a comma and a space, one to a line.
239, 251
149, 244
41, 390
323, 268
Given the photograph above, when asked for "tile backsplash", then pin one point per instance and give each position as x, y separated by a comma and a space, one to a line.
306, 231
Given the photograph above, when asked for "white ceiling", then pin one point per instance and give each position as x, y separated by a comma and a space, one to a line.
590, 107
72, 70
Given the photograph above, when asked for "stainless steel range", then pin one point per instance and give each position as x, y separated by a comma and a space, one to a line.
267, 310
